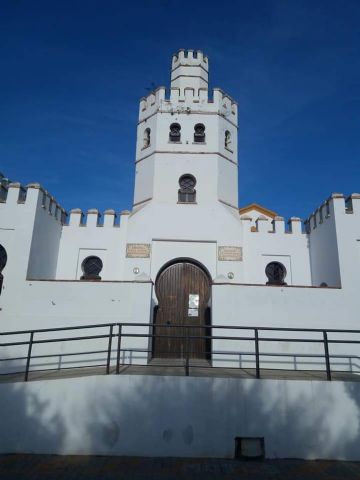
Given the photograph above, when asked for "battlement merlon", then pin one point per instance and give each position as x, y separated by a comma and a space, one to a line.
188, 100
275, 226
336, 204
189, 68
77, 218
14, 194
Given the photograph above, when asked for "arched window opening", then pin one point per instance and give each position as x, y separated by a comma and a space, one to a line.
227, 139
199, 133
175, 134
3, 260
276, 273
187, 192
91, 268
147, 137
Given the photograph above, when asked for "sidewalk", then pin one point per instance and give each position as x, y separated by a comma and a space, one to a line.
39, 467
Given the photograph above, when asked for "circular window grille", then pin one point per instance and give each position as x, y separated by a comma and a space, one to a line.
91, 267
175, 129
187, 183
174, 134
199, 129
199, 133
3, 258
276, 273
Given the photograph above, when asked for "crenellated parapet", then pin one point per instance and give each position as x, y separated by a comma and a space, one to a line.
13, 193
94, 219
188, 100
192, 58
336, 203
264, 225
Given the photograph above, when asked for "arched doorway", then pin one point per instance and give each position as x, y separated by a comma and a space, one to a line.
183, 289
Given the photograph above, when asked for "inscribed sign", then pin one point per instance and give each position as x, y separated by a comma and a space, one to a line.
137, 250
233, 254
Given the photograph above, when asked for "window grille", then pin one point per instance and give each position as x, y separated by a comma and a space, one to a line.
91, 268
187, 192
175, 132
276, 273
199, 133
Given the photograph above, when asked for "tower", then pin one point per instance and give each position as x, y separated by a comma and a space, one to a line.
186, 149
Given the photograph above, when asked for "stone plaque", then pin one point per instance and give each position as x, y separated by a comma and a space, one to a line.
233, 254
137, 250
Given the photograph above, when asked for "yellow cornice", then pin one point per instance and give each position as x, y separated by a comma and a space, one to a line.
259, 208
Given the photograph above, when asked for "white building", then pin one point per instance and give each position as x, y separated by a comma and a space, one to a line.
185, 254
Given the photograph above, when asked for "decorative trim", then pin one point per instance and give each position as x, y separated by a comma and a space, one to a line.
190, 76
186, 153
197, 112
191, 66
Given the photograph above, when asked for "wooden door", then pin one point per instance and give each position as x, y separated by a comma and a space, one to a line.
183, 292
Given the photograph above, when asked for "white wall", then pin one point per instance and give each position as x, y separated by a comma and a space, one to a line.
105, 241
272, 243
285, 307
54, 304
324, 254
16, 231
180, 416
48, 304
45, 243
348, 238
181, 229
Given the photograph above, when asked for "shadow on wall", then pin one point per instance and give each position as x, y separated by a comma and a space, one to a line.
202, 417
180, 416
26, 421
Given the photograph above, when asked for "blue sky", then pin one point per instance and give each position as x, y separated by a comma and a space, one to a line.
72, 73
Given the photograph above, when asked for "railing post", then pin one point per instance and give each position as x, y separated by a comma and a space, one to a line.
327, 356
118, 350
109, 350
257, 358
187, 370
29, 357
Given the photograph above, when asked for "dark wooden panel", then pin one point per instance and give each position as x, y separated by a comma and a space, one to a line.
173, 288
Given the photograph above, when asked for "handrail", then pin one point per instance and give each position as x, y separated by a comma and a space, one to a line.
226, 327
118, 331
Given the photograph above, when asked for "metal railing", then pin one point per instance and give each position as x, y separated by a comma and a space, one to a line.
117, 331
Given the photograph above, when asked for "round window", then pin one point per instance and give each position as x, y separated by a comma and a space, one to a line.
187, 183
276, 273
91, 267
